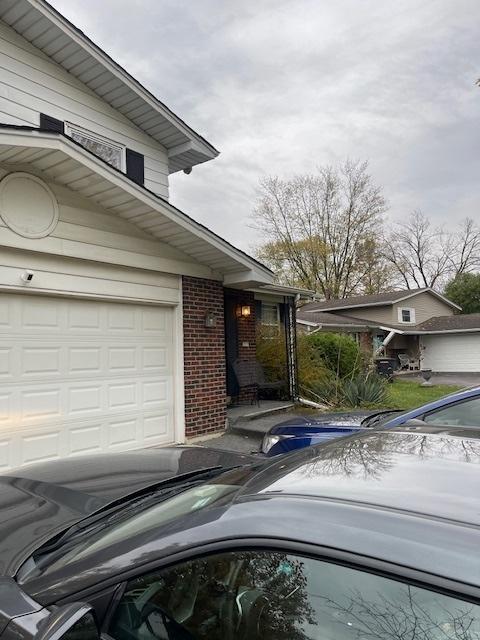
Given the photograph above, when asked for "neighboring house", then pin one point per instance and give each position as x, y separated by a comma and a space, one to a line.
111, 300
419, 324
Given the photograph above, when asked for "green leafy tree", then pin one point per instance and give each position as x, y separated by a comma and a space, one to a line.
464, 290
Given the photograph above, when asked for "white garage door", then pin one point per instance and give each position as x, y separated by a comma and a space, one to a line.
81, 376
453, 352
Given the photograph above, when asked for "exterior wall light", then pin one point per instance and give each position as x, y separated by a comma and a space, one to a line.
210, 320
244, 311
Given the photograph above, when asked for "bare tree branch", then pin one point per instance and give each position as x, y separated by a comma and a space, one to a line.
324, 229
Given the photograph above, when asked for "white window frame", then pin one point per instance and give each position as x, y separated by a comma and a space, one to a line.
412, 315
95, 137
277, 309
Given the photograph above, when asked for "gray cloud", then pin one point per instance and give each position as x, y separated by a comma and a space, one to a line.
281, 87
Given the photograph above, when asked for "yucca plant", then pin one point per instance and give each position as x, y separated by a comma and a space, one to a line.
366, 389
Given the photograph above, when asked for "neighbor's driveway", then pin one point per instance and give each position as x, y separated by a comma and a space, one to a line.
455, 379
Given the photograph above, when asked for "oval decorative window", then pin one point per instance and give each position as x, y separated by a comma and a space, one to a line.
27, 205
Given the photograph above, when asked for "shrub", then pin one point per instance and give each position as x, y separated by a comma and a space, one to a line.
339, 352
271, 353
361, 390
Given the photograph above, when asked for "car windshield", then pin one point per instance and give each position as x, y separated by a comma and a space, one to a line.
380, 419
134, 519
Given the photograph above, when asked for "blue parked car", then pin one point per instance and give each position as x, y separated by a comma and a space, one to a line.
461, 408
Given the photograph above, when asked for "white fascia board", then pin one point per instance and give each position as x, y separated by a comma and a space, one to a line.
386, 303
350, 306
338, 326
121, 74
441, 331
288, 291
246, 279
255, 274
308, 324
399, 331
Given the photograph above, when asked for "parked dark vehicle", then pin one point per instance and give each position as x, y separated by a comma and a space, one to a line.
459, 408
330, 542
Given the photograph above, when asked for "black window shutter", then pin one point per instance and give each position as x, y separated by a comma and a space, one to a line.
47, 123
135, 166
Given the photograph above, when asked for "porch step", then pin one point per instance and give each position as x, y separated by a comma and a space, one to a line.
236, 415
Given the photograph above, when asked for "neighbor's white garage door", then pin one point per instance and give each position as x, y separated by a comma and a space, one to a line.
453, 352
81, 376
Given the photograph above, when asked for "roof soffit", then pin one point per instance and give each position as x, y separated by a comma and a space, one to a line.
61, 160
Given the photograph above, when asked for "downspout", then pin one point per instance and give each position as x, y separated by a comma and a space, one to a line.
386, 341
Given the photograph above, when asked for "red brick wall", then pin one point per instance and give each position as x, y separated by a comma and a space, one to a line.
366, 343
204, 357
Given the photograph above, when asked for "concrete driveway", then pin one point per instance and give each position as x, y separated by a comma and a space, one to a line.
455, 379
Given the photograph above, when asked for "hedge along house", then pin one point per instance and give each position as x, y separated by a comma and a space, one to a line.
111, 299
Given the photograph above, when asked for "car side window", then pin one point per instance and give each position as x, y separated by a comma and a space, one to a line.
269, 595
464, 414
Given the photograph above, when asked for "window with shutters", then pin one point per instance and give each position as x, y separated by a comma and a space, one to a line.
110, 151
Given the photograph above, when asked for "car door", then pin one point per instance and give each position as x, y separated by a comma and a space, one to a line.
273, 594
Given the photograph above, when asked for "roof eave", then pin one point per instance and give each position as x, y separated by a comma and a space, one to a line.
202, 150
239, 266
385, 303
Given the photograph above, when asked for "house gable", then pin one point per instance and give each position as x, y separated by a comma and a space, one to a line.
387, 308
34, 83
425, 305
52, 33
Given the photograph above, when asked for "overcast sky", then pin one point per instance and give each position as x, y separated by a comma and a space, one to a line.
283, 86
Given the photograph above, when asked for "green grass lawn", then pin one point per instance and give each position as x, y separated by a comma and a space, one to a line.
404, 394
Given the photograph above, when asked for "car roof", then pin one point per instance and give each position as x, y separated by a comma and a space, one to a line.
429, 470
407, 496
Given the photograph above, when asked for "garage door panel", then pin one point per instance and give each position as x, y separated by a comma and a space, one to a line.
84, 360
6, 362
5, 449
85, 439
85, 377
40, 316
155, 426
84, 316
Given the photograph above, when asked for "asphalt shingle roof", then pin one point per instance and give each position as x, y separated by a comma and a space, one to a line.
333, 319
378, 298
451, 323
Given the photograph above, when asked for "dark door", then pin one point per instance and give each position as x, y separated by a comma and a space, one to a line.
231, 343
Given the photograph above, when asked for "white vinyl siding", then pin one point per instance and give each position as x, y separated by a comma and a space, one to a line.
88, 232
31, 83
456, 352
83, 376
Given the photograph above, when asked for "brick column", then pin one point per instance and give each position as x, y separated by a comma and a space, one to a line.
366, 343
204, 357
